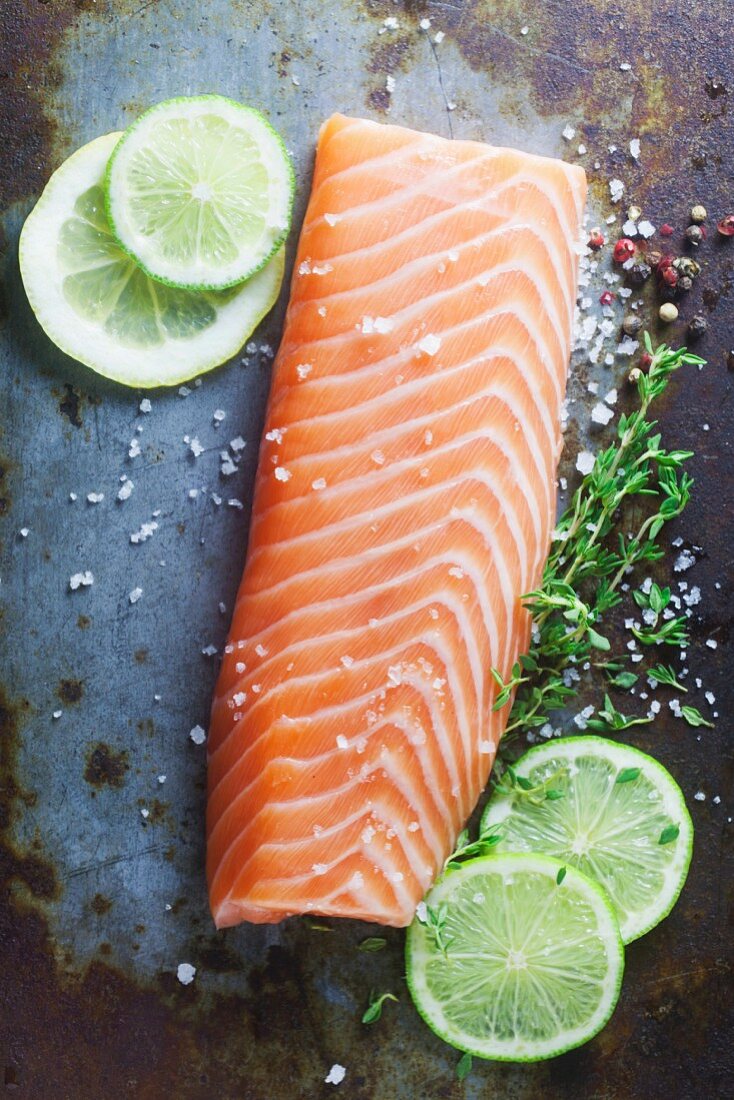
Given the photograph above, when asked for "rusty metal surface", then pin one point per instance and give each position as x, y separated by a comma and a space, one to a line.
100, 903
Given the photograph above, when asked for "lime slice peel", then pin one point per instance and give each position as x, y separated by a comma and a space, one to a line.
199, 192
528, 963
617, 804
98, 307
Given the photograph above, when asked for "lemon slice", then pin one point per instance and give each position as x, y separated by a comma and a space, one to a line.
200, 191
96, 304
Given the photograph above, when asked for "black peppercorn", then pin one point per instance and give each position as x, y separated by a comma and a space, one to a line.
697, 327
639, 273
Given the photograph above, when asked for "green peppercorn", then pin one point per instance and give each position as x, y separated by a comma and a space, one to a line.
685, 265
698, 214
694, 234
697, 327
631, 324
667, 313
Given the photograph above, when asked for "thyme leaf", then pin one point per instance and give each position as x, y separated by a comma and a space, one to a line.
373, 1012
590, 559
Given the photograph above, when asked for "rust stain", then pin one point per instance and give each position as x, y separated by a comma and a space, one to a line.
29, 32
24, 869
100, 905
70, 405
105, 768
70, 691
6, 466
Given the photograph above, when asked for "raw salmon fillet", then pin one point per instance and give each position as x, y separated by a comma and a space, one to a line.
404, 502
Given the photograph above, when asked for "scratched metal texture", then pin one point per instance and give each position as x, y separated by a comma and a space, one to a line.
90, 1006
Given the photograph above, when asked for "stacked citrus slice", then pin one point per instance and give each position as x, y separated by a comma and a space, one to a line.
152, 255
518, 955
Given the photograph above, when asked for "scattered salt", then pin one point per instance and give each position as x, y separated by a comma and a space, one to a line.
585, 462
601, 414
146, 530
429, 344
81, 580
197, 735
616, 190
145, 405
135, 595
281, 474
185, 973
336, 1075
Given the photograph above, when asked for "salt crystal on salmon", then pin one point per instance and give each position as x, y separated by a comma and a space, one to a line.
404, 502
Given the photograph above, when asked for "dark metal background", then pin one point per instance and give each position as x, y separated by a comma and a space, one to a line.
90, 1006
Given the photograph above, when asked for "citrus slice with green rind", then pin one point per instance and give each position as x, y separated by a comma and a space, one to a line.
611, 807
96, 304
199, 191
514, 958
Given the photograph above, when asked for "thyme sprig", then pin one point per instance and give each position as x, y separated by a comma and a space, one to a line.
588, 562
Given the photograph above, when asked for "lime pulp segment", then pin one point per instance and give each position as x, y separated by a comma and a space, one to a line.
608, 829
97, 305
199, 191
524, 967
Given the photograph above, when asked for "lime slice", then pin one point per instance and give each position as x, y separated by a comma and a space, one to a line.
98, 306
523, 967
616, 805
199, 192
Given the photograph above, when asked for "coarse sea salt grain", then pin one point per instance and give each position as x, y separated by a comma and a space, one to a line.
134, 449
438, 37
568, 132
185, 973
635, 148
425, 24
82, 580
319, 483
281, 474
145, 405
429, 344
125, 489
135, 595
601, 414
616, 190
197, 735
336, 1075
700, 796
585, 462
146, 530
